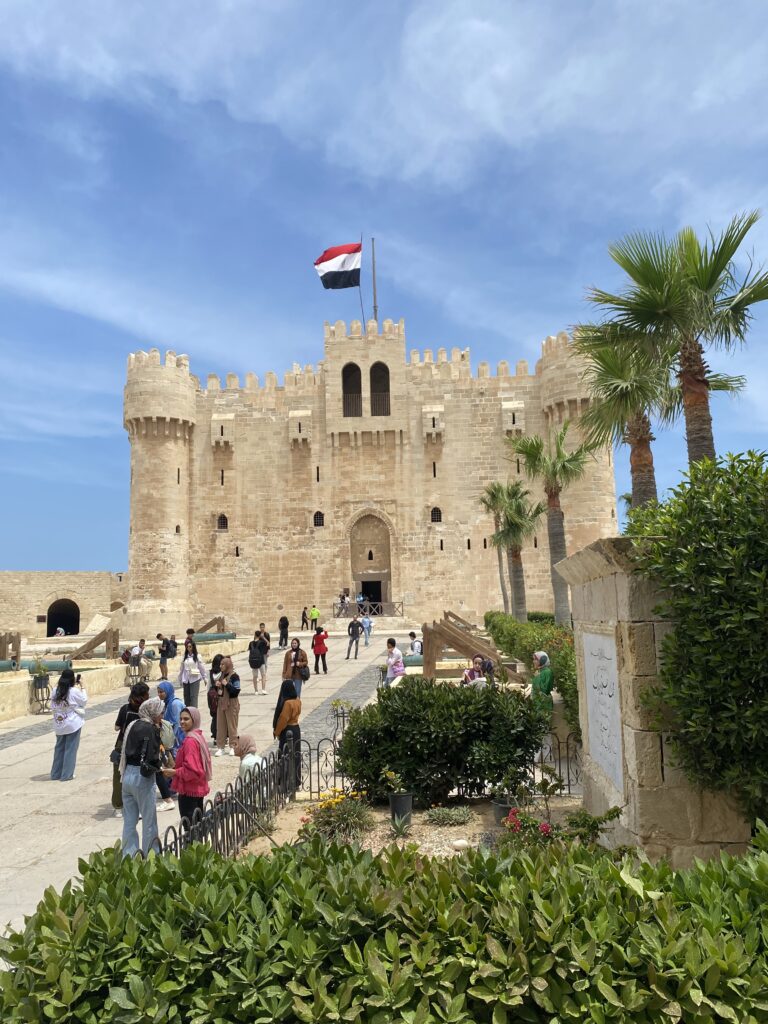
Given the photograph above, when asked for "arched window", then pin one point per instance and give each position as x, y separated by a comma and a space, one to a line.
436, 515
178, 528
352, 390
379, 390
370, 555
319, 519
222, 523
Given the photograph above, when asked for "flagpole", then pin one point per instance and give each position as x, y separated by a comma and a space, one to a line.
373, 267
360, 286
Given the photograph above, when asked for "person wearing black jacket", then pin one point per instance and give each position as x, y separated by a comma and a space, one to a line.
283, 625
128, 713
257, 659
355, 628
139, 763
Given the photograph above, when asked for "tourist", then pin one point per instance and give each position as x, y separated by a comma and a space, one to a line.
354, 629
285, 724
475, 676
228, 709
67, 708
543, 683
172, 712
213, 693
139, 763
60, 631
367, 623
128, 713
193, 771
359, 601
250, 759
395, 666
137, 659
417, 647
282, 626
320, 649
162, 650
304, 619
191, 673
295, 665
258, 663
266, 641
314, 616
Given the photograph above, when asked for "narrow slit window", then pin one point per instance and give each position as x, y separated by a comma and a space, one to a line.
518, 465
535, 542
434, 469
441, 545
222, 478
237, 551
370, 556
434, 422
469, 544
221, 430
299, 426
485, 543
317, 473
178, 528
178, 476
513, 419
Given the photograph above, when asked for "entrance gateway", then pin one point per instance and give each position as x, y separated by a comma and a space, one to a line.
370, 557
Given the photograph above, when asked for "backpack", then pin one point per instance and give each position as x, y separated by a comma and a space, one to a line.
233, 685
255, 654
172, 648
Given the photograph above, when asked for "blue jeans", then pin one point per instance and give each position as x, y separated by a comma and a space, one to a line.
64, 756
356, 641
138, 799
298, 683
367, 631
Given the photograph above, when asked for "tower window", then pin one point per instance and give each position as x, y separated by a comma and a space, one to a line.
178, 476
221, 430
352, 390
535, 542
434, 422
299, 426
178, 528
379, 390
370, 556
513, 419
469, 544
485, 543
518, 465
434, 469
222, 478
222, 523
318, 519
317, 473
436, 515
237, 551
441, 545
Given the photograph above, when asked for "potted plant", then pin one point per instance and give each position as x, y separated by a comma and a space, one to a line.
507, 793
39, 674
400, 802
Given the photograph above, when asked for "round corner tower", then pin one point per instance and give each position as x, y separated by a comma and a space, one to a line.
159, 415
590, 504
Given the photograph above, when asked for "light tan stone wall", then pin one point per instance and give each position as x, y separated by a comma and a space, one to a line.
627, 762
269, 456
24, 596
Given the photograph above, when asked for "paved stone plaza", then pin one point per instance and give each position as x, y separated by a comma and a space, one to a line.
48, 826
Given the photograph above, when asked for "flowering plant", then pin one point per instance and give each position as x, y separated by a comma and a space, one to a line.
338, 817
393, 781
525, 829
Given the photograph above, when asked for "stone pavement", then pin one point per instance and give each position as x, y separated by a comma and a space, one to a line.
47, 826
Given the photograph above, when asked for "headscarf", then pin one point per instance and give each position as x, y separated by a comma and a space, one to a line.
151, 709
542, 657
173, 708
245, 745
287, 692
197, 737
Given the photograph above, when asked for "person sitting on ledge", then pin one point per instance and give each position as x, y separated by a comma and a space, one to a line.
476, 675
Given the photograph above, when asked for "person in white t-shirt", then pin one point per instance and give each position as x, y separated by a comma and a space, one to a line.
395, 666
68, 708
417, 647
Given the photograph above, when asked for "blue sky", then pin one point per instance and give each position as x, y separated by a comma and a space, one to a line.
170, 170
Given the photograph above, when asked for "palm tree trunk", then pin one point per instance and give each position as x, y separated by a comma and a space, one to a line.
557, 552
500, 556
517, 584
695, 389
639, 437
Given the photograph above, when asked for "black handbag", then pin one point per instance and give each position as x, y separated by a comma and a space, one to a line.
114, 755
304, 673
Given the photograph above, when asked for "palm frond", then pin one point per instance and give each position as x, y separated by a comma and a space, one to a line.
706, 266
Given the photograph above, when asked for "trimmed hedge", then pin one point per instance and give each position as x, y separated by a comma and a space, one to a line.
437, 736
521, 639
328, 933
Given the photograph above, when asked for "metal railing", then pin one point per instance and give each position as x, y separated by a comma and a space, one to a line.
380, 404
393, 608
563, 757
352, 405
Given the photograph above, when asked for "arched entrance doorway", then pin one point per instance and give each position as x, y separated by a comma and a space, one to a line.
65, 614
371, 558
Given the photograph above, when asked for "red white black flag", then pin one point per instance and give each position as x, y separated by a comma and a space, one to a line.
339, 266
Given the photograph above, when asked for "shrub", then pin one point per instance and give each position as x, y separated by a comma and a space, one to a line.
521, 639
446, 817
541, 617
707, 549
437, 737
325, 933
339, 817
523, 829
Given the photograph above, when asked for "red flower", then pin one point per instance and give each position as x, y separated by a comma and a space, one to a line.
516, 826
513, 814
545, 828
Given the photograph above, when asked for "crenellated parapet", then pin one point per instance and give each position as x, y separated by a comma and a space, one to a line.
564, 395
370, 331
159, 393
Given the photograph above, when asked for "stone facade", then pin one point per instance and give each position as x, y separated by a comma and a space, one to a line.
247, 499
33, 603
626, 761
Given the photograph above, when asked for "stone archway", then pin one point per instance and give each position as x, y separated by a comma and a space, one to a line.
371, 557
65, 614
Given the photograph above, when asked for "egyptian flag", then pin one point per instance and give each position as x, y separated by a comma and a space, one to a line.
339, 266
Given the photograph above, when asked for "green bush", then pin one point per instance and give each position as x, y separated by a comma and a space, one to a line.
339, 818
541, 617
521, 639
437, 737
707, 549
447, 817
328, 933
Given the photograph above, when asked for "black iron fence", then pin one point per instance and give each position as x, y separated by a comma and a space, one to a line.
563, 757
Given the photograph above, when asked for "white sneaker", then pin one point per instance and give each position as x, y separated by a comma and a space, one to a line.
219, 752
166, 805
118, 813
230, 751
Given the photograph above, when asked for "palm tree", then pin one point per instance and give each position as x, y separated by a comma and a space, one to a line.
686, 295
556, 468
492, 500
519, 519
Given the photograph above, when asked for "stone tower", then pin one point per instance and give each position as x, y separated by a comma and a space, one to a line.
159, 415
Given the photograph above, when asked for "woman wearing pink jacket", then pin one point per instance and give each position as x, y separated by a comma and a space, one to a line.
192, 773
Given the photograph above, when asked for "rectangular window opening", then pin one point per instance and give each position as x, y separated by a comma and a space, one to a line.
485, 543
469, 544
434, 469
222, 478
317, 473
178, 475
221, 430
441, 545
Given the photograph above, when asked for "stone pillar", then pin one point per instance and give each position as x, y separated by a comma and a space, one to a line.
626, 762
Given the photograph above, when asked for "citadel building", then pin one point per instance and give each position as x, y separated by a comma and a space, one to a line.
363, 473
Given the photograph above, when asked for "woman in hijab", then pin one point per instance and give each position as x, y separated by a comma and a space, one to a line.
67, 707
139, 763
173, 708
295, 665
543, 682
250, 759
193, 770
285, 724
475, 676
